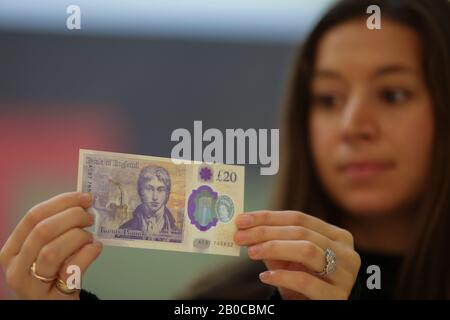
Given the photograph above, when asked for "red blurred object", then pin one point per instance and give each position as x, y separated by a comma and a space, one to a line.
46, 144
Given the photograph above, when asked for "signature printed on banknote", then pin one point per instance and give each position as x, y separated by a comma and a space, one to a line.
152, 202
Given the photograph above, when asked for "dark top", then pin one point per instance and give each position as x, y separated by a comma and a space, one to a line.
242, 281
389, 264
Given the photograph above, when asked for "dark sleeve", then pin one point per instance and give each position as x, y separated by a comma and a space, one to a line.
86, 295
276, 295
356, 290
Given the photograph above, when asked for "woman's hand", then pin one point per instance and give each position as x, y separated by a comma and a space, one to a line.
292, 245
50, 234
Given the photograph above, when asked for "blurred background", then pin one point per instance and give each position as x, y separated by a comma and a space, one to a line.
136, 71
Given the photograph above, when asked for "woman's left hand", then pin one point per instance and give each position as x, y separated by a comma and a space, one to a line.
292, 244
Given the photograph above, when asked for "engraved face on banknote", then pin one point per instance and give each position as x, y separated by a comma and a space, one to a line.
151, 216
225, 208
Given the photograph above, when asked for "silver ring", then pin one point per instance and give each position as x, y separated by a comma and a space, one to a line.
330, 263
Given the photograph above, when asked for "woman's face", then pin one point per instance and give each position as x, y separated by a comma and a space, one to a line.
371, 120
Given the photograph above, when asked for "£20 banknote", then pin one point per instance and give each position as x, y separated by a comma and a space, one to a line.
156, 203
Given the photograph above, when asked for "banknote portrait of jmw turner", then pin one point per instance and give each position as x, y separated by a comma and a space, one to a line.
134, 200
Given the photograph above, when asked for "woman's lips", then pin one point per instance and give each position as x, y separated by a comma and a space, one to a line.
364, 170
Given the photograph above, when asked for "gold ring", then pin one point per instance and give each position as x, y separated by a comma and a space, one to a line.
41, 278
63, 288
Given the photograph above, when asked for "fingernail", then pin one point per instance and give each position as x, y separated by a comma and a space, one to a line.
92, 217
265, 275
254, 250
245, 220
240, 236
86, 199
98, 244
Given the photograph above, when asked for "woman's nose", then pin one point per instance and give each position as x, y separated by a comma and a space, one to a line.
358, 121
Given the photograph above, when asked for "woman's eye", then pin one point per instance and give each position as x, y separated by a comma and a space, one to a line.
394, 96
326, 100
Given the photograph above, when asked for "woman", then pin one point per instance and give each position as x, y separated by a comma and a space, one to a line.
366, 163
366, 148
368, 135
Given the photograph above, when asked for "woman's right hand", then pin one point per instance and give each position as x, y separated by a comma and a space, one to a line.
50, 234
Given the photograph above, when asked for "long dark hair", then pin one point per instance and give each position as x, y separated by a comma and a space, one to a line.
425, 271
